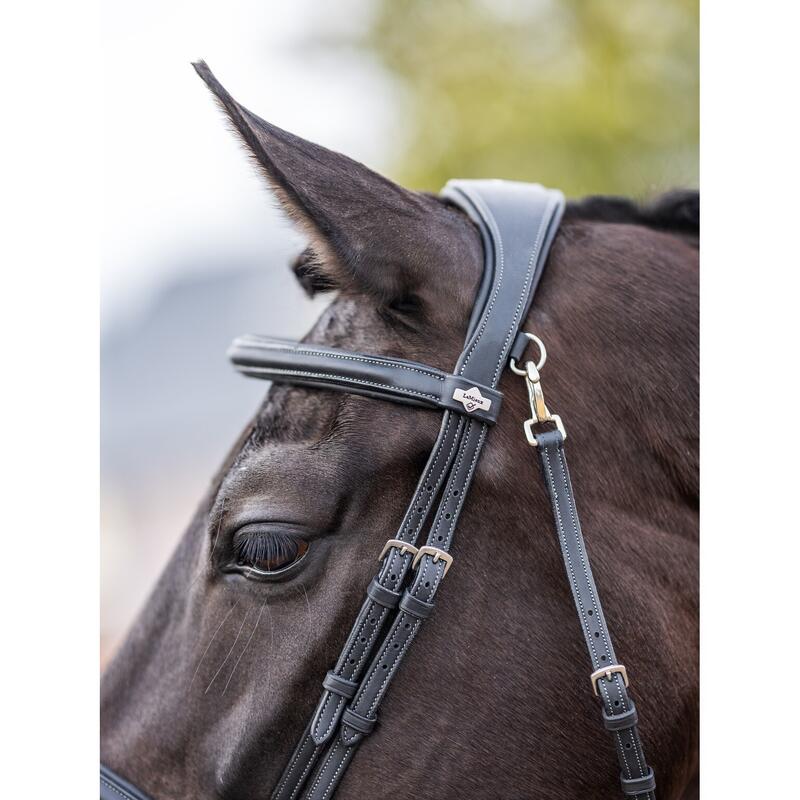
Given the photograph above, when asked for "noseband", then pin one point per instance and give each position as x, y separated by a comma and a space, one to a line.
517, 222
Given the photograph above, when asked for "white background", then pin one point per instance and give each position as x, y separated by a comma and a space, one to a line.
50, 217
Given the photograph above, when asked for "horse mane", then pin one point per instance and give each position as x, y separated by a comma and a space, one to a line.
677, 211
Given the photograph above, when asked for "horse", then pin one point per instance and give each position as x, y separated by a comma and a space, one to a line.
217, 676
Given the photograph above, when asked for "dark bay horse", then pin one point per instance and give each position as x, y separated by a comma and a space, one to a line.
218, 675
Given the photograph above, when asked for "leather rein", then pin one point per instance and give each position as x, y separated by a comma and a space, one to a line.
518, 223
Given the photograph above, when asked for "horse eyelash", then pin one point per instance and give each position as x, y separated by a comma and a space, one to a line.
255, 546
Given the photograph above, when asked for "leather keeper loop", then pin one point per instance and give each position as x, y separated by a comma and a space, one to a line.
338, 685
621, 722
633, 786
518, 348
383, 596
417, 608
357, 722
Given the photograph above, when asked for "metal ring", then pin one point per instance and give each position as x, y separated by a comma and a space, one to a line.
542, 355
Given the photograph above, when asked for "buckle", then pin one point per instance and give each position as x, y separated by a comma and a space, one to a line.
404, 547
438, 555
607, 672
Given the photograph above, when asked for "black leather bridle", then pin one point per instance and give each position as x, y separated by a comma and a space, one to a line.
518, 222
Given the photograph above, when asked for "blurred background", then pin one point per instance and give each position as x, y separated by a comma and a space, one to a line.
591, 96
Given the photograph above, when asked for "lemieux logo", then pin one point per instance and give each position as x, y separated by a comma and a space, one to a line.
472, 399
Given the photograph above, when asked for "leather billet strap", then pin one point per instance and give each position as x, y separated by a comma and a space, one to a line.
619, 713
306, 364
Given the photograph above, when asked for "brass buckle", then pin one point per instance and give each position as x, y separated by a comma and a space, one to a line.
607, 673
438, 555
405, 547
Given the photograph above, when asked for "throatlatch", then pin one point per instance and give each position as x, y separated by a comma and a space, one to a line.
517, 222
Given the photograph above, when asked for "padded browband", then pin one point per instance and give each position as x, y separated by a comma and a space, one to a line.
386, 378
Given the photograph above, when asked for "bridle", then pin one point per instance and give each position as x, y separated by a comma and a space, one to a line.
518, 223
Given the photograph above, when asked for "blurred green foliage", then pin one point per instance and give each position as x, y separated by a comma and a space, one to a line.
592, 96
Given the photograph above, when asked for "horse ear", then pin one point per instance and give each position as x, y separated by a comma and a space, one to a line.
359, 223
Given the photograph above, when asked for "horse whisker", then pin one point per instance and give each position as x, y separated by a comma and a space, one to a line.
246, 645
211, 641
225, 660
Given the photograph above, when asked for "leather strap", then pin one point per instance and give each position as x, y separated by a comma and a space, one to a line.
112, 787
374, 376
372, 617
619, 712
517, 222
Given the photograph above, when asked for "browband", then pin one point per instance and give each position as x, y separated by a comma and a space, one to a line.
386, 378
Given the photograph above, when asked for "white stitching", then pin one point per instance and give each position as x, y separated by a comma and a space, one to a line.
345, 378
377, 360
291, 766
395, 661
600, 620
583, 560
565, 549
489, 218
333, 777
322, 769
116, 789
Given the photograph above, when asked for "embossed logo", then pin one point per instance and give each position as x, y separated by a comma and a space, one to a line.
472, 399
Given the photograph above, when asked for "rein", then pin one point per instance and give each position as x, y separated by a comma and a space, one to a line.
518, 223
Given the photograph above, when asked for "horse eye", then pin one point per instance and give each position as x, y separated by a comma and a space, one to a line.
265, 552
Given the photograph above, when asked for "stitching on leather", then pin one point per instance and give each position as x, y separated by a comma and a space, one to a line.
622, 753
604, 691
426, 481
331, 782
334, 714
451, 482
117, 790
353, 645
525, 289
304, 774
623, 696
292, 764
489, 219
371, 639
376, 360
565, 549
464, 486
322, 770
364, 689
394, 663
583, 559
345, 378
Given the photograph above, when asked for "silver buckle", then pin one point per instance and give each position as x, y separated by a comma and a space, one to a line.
438, 555
405, 547
608, 672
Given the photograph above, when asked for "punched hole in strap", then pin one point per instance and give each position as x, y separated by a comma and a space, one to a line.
382, 596
634, 786
357, 722
416, 607
337, 685
621, 722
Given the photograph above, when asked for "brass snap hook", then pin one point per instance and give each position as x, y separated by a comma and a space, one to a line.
539, 411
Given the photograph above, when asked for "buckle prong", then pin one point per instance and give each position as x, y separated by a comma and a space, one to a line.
438, 555
404, 547
608, 674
